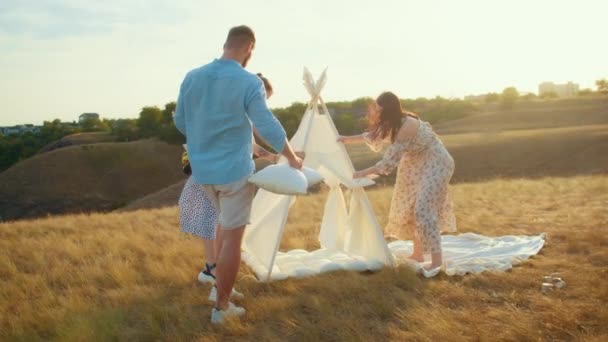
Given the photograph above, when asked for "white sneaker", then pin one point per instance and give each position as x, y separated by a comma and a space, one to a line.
218, 316
236, 295
431, 272
205, 278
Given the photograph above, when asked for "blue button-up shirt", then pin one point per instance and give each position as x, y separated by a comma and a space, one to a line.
216, 106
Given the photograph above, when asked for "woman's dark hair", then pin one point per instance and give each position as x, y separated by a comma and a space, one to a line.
388, 122
267, 84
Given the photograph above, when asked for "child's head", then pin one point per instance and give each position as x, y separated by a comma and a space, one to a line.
267, 85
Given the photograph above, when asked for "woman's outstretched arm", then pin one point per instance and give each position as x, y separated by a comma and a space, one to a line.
385, 166
370, 171
390, 160
351, 139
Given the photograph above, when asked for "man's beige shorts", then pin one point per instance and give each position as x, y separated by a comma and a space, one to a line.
232, 201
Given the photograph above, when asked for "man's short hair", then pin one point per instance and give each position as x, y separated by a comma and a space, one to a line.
240, 36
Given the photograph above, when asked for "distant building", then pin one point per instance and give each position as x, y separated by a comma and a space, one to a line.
13, 130
561, 90
20, 129
30, 128
87, 116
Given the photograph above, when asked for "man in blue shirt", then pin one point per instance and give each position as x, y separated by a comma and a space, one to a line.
216, 107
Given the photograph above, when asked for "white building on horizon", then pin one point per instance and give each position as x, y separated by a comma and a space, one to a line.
561, 90
20, 129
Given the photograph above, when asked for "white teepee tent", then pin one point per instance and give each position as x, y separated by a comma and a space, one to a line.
350, 239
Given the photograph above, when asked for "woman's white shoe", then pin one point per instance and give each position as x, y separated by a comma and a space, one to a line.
430, 273
205, 278
218, 316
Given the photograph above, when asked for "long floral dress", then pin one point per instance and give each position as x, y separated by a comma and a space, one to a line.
421, 202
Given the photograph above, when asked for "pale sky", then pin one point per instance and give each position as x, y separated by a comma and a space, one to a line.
60, 58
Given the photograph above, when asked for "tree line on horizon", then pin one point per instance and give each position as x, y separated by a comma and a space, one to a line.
348, 116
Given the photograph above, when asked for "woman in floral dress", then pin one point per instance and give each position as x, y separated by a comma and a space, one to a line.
421, 202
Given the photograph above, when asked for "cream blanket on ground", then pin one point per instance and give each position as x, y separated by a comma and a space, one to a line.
462, 254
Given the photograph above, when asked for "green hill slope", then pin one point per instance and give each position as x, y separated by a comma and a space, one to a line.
96, 177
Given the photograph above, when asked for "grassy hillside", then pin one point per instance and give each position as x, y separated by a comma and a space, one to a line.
79, 139
536, 153
132, 276
566, 151
168, 196
534, 139
159, 199
569, 138
97, 177
531, 115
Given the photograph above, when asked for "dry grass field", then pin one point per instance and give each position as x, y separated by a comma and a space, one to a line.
132, 276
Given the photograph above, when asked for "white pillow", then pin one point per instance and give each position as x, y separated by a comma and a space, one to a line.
281, 179
312, 176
